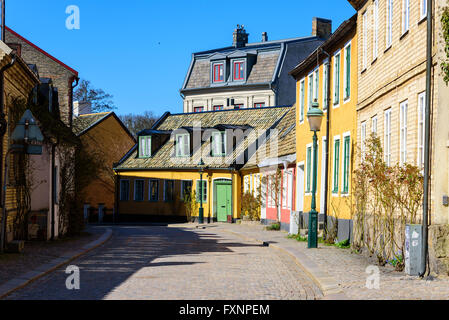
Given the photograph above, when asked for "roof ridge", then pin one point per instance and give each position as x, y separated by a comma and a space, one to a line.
228, 110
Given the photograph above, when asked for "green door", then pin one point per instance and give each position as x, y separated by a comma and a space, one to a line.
223, 194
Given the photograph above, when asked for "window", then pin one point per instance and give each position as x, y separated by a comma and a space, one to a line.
423, 11
316, 78
309, 168
124, 190
218, 144
376, 28
310, 93
138, 190
336, 164
325, 85
365, 40
389, 23
154, 190
346, 163
403, 137
238, 106
169, 188
259, 105
182, 145
337, 79
239, 70
302, 100
246, 184
198, 109
218, 72
145, 146
186, 189
405, 15
374, 125
347, 72
387, 137
363, 140
421, 128
217, 108
201, 192
284, 189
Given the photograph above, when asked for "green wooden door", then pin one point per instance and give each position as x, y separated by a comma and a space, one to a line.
223, 194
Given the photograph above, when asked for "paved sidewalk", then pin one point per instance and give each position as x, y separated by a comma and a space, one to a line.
342, 274
48, 258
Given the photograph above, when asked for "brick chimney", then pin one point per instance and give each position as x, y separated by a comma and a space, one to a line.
264, 37
321, 28
240, 37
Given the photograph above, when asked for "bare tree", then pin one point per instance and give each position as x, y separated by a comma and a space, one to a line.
137, 123
99, 100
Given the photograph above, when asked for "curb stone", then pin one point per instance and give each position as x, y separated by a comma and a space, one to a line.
329, 287
23, 280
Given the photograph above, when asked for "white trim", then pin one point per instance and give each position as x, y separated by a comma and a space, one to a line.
421, 121
362, 140
389, 24
334, 139
387, 134
422, 10
342, 161
143, 189
323, 173
403, 120
376, 29
337, 53
347, 99
405, 22
207, 189
364, 40
372, 124
180, 152
306, 180
302, 99
325, 82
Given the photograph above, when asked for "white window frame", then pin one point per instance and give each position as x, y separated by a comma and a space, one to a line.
374, 125
387, 136
376, 29
335, 138
342, 161
345, 71
198, 182
365, 40
337, 56
423, 9
316, 83
222, 141
403, 109
326, 69
180, 149
363, 140
144, 146
421, 128
306, 180
310, 84
129, 186
389, 24
302, 100
246, 184
405, 16
284, 189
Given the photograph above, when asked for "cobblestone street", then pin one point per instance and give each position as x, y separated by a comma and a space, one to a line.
149, 262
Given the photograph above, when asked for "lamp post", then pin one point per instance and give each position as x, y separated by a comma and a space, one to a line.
27, 138
314, 116
201, 210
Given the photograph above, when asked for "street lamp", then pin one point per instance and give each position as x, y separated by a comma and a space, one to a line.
314, 116
201, 210
27, 138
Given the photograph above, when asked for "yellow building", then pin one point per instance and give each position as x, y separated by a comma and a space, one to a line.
328, 75
106, 140
154, 176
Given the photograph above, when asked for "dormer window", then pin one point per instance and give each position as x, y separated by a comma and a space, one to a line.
239, 70
182, 145
144, 146
219, 144
218, 72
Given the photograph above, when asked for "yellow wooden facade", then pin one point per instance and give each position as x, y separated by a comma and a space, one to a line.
342, 124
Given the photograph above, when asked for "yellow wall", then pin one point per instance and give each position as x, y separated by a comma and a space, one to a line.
111, 142
343, 120
177, 207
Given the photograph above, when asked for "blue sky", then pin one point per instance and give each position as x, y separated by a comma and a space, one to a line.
140, 50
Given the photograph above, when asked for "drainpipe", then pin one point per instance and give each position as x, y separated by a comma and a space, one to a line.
328, 115
53, 192
427, 141
72, 86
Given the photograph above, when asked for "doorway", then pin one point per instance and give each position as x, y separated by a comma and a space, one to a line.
223, 199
